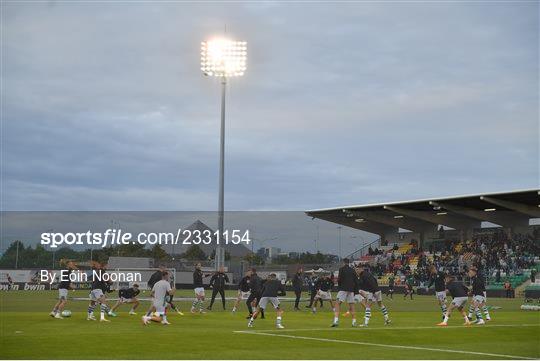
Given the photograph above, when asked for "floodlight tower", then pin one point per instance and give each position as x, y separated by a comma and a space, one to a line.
222, 58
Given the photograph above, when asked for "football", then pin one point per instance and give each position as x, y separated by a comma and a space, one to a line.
66, 313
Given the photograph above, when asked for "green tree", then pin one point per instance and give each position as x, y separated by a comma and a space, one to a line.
37, 257
8, 258
282, 259
194, 253
159, 254
102, 255
227, 255
68, 253
254, 259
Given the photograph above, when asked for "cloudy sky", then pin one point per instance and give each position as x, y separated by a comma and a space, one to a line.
105, 108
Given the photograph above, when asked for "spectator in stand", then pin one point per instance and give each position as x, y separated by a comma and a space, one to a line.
509, 290
491, 253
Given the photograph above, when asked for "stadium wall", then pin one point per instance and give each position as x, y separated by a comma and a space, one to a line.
23, 279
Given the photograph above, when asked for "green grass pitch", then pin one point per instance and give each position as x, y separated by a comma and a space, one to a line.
27, 332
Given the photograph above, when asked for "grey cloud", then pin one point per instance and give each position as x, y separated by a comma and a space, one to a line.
105, 108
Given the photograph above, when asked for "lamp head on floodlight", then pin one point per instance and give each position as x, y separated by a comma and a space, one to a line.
223, 57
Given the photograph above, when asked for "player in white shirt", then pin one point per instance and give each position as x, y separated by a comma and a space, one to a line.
160, 291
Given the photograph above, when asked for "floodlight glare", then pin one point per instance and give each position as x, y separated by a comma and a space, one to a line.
223, 57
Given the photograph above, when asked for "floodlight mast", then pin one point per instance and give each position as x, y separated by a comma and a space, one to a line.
222, 58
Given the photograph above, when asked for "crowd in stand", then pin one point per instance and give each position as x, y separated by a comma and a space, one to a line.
494, 253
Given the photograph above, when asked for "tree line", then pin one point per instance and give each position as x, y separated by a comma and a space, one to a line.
17, 255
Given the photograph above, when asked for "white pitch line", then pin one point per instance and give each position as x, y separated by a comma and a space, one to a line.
387, 328
385, 345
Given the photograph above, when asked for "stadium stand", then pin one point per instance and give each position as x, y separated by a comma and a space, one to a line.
502, 259
490, 231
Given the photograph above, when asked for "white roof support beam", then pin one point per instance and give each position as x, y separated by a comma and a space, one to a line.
447, 220
500, 218
380, 229
413, 225
526, 209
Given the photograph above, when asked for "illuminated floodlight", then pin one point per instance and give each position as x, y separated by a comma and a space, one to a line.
223, 57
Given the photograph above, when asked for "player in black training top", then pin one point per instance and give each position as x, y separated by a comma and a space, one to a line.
217, 284
437, 278
459, 292
324, 291
243, 290
170, 296
128, 295
10, 282
63, 287
97, 295
369, 288
478, 291
312, 283
409, 286
347, 288
270, 291
391, 284
156, 277
255, 285
297, 283
198, 288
